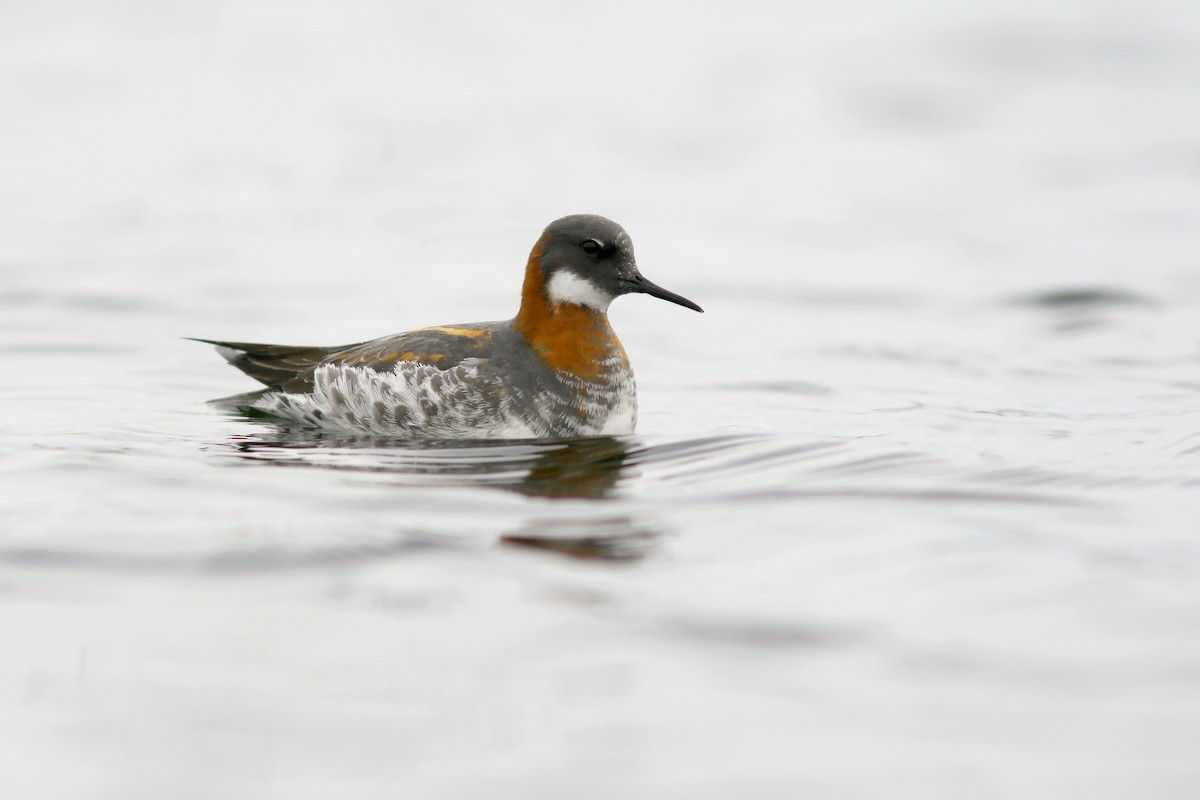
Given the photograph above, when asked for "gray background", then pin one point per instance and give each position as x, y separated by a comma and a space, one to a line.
912, 508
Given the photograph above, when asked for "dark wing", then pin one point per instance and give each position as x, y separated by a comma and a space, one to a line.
275, 365
290, 368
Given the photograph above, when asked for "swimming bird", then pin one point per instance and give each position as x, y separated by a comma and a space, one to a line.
557, 369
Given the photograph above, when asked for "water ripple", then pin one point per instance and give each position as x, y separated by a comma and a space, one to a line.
726, 468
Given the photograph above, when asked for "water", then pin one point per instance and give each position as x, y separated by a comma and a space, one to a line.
911, 510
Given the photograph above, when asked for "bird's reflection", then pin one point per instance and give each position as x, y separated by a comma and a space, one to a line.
565, 468
612, 539
568, 469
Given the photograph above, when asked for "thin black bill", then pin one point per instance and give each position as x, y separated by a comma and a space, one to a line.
640, 284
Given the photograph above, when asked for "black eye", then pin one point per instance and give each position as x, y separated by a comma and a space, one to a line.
591, 247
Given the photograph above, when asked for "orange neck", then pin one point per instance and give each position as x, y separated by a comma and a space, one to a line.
569, 338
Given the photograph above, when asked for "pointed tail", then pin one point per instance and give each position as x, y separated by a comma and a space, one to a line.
277, 366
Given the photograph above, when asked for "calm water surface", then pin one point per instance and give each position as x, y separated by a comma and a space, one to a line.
912, 510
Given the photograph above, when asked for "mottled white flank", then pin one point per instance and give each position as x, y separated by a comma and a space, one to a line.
622, 418
611, 406
567, 287
418, 399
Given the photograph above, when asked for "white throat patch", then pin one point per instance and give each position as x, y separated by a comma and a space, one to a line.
567, 287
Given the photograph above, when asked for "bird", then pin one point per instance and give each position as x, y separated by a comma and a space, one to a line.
555, 370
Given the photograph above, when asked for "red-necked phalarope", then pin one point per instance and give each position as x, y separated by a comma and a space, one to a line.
557, 369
